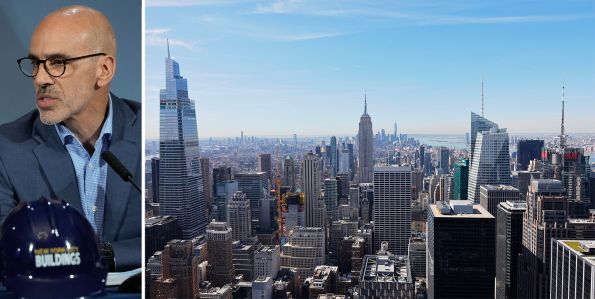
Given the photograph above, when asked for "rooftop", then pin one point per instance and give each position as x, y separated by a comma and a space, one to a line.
158, 220
514, 205
584, 249
385, 268
478, 212
499, 188
581, 220
392, 168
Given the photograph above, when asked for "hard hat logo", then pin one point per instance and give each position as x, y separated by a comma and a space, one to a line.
57, 256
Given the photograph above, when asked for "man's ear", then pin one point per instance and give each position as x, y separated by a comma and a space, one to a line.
106, 69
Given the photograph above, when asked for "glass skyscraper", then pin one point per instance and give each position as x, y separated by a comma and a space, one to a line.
461, 179
478, 125
180, 179
490, 163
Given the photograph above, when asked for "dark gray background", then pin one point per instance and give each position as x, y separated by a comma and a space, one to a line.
18, 20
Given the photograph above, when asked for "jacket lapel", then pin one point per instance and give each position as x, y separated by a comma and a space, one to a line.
124, 145
56, 165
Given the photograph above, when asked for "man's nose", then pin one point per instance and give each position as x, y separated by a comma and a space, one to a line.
42, 77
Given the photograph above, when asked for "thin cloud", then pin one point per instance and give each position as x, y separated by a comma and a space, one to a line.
156, 31
156, 37
301, 7
461, 20
184, 3
280, 7
304, 36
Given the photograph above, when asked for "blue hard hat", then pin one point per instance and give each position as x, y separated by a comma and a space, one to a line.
48, 249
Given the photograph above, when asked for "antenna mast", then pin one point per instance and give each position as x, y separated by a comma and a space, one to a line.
562, 136
482, 115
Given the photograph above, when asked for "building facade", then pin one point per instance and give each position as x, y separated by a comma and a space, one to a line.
392, 207
509, 242
573, 269
311, 187
240, 218
491, 195
220, 270
386, 276
365, 143
490, 163
304, 250
461, 251
181, 192
461, 179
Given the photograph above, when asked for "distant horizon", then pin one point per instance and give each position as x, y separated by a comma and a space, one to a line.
529, 134
270, 67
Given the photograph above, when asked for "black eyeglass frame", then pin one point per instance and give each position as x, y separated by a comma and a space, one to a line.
40, 61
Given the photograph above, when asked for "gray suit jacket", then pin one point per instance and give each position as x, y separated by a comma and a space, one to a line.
35, 163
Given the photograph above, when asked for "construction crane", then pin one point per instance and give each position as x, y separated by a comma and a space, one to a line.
279, 205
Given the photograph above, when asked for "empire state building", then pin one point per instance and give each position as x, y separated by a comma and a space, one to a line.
365, 170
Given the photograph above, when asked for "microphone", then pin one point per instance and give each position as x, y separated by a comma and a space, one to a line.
119, 168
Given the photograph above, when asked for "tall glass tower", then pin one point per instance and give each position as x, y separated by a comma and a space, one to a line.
491, 162
478, 125
180, 179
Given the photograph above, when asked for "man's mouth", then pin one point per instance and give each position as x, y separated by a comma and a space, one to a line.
45, 101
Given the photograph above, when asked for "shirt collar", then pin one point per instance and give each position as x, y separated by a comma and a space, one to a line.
67, 137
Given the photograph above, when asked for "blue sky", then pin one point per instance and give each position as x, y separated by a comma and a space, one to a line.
275, 68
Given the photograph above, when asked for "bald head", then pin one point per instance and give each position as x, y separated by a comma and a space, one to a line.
80, 42
86, 26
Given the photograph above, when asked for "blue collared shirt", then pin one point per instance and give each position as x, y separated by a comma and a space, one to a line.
91, 170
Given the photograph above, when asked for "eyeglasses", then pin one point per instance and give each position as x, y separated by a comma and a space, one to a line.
55, 67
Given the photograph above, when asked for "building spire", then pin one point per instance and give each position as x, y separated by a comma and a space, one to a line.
365, 103
168, 48
482, 115
562, 136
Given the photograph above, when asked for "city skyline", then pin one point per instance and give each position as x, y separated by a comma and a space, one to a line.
315, 61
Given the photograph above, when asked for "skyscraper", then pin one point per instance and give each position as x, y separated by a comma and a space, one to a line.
461, 251
461, 179
344, 160
219, 250
333, 156
544, 219
304, 250
527, 150
155, 179
428, 164
492, 195
312, 204
509, 243
421, 157
239, 218
331, 199
181, 191
256, 186
479, 124
289, 176
491, 161
392, 207
444, 156
365, 137
177, 263
265, 164
205, 168
573, 269
351, 160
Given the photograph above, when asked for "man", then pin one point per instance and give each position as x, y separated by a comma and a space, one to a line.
55, 150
